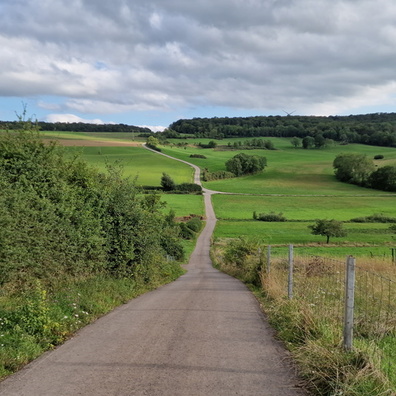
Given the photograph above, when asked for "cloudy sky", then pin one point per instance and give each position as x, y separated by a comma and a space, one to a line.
151, 62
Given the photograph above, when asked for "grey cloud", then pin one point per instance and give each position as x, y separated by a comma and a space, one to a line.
105, 56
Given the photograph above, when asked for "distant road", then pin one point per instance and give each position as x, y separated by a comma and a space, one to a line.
202, 335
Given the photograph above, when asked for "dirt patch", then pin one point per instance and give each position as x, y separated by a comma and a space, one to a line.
94, 143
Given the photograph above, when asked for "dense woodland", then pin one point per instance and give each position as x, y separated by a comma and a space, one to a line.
377, 129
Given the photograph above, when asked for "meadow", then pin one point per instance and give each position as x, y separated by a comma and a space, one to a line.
298, 183
136, 162
289, 170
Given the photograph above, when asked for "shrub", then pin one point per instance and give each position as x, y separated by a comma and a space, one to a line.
186, 232
167, 182
218, 175
188, 187
378, 157
198, 156
195, 224
272, 216
375, 218
61, 219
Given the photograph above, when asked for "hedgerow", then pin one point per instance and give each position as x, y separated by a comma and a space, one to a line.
61, 218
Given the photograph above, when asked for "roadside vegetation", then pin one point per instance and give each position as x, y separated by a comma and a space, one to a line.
310, 323
75, 243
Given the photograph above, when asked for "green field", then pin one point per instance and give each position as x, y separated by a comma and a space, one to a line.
301, 182
369, 240
289, 170
184, 205
136, 162
343, 208
96, 136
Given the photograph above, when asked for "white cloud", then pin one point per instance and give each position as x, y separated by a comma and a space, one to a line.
70, 118
156, 128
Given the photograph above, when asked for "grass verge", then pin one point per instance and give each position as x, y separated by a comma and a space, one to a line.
40, 319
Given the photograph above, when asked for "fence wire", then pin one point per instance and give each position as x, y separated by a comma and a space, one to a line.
319, 282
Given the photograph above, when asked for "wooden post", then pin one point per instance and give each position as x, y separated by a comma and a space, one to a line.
349, 303
290, 278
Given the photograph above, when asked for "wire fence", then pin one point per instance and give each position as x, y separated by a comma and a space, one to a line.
320, 283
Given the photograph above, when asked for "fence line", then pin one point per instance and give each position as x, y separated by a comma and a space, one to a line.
320, 283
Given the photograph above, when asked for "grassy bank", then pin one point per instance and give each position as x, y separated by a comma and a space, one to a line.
311, 323
40, 319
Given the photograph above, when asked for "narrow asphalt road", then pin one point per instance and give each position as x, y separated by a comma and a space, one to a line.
202, 335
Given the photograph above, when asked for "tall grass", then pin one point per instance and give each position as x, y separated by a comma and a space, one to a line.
310, 324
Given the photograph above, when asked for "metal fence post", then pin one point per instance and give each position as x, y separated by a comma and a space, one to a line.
349, 303
269, 259
290, 278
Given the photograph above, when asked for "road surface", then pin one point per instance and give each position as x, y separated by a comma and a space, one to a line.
202, 335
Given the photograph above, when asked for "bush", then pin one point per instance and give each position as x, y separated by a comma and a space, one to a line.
218, 175
186, 232
378, 157
375, 218
188, 187
198, 156
167, 182
61, 219
194, 224
272, 216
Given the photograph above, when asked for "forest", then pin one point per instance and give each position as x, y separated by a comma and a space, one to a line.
378, 129
75, 127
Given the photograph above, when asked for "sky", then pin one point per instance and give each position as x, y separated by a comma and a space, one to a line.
152, 62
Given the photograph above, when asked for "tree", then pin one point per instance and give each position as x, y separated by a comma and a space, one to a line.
296, 142
320, 141
384, 178
328, 228
152, 141
243, 164
353, 168
308, 142
167, 182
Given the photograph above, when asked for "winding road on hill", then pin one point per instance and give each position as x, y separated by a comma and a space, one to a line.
202, 335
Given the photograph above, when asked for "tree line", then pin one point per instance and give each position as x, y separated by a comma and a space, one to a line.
377, 129
75, 127
360, 170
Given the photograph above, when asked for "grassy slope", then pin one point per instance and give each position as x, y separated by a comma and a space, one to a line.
289, 170
136, 161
